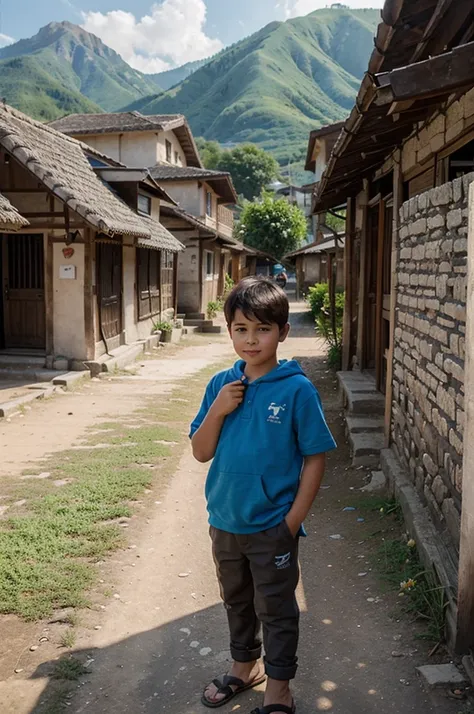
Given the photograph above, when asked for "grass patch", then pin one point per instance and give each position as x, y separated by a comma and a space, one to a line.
47, 554
70, 669
420, 595
68, 639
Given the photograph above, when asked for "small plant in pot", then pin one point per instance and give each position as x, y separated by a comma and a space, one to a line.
166, 330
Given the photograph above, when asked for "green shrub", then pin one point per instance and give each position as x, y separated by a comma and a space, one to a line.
163, 327
228, 285
213, 307
316, 297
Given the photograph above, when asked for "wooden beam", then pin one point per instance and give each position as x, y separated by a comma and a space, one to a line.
361, 319
89, 298
397, 203
440, 10
379, 296
348, 282
465, 629
49, 294
434, 77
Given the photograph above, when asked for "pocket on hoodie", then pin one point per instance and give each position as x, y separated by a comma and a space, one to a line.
238, 497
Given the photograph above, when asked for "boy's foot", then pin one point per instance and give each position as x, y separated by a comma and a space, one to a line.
278, 692
251, 674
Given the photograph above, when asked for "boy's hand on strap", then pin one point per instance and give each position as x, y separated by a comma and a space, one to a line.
229, 398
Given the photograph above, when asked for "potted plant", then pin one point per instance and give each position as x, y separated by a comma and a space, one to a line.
166, 330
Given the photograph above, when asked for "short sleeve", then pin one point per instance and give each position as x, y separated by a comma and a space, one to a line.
312, 431
208, 400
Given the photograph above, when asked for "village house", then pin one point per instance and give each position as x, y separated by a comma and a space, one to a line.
403, 164
86, 266
318, 262
198, 216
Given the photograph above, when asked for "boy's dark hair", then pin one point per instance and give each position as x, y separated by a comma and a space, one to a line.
258, 298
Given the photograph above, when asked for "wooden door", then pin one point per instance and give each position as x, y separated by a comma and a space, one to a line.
109, 288
24, 316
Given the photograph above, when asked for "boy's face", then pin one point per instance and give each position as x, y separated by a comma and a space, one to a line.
256, 342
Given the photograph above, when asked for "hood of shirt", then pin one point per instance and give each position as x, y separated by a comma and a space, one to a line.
284, 369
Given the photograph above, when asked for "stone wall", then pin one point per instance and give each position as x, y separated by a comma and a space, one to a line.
430, 326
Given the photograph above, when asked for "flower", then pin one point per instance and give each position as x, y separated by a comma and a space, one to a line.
411, 543
408, 584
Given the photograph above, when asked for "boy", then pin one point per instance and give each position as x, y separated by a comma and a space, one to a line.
263, 425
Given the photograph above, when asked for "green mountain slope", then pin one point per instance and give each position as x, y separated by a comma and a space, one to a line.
168, 79
275, 86
80, 62
30, 89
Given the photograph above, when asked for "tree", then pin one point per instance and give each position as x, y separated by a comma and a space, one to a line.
272, 225
210, 151
252, 169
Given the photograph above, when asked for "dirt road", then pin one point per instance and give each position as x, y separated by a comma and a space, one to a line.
161, 635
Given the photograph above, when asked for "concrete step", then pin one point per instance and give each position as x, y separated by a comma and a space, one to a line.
212, 329
366, 403
191, 330
24, 362
194, 316
366, 448
362, 424
34, 374
197, 323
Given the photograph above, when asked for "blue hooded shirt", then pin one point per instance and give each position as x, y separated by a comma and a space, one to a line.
254, 477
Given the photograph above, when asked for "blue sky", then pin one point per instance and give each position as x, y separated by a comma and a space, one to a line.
153, 36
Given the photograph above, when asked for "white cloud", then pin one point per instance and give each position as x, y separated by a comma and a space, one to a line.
6, 40
297, 8
170, 35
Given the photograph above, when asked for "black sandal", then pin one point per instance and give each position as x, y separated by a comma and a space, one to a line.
225, 687
272, 708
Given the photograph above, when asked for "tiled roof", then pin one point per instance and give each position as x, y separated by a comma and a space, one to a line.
10, 219
120, 122
60, 163
220, 180
113, 122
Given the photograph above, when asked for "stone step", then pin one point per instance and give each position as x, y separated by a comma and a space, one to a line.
197, 323
194, 316
25, 362
366, 403
212, 330
366, 448
362, 424
33, 374
191, 330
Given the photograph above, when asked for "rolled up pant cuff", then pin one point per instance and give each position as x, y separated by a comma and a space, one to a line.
282, 674
245, 655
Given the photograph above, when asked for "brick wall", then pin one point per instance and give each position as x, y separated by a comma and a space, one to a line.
428, 396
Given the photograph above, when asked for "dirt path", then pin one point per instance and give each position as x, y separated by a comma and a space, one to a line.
161, 633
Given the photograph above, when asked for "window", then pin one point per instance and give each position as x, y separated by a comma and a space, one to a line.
176, 157
169, 151
144, 204
209, 265
209, 203
167, 279
148, 282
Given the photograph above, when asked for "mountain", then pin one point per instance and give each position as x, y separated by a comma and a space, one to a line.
168, 79
273, 87
32, 90
80, 63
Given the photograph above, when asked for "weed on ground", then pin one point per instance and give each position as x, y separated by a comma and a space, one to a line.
398, 565
48, 550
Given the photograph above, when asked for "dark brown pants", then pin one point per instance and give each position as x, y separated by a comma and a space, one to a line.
258, 574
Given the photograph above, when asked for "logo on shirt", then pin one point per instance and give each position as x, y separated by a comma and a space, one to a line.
276, 410
283, 561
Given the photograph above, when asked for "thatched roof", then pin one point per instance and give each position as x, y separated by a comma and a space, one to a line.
60, 163
121, 122
10, 219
